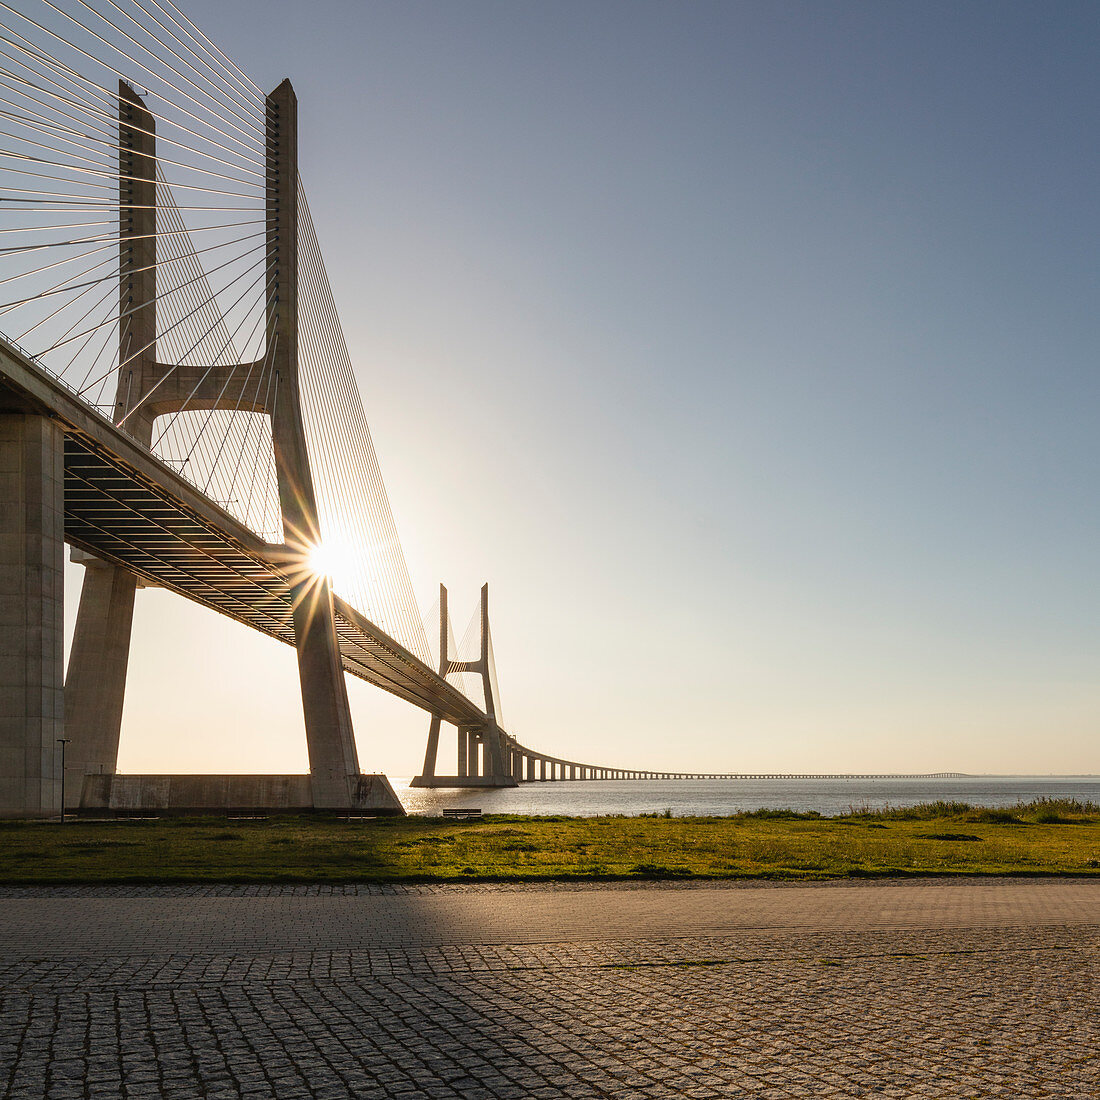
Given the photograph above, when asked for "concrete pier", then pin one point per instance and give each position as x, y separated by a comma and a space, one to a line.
32, 562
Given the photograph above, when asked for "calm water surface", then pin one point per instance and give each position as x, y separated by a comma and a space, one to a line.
686, 797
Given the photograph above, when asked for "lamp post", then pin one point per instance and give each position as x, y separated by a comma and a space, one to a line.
63, 741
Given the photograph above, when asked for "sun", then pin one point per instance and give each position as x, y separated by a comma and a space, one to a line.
325, 560
329, 560
320, 560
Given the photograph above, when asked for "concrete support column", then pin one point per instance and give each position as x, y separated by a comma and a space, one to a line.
463, 744
95, 687
330, 739
431, 753
472, 742
32, 563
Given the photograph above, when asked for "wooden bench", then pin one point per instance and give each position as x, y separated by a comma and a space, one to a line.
462, 813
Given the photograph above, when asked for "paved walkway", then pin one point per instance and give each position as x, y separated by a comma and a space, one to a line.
927, 989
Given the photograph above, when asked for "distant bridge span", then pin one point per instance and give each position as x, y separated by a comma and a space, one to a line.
534, 768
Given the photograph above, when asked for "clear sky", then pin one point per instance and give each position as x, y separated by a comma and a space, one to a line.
748, 350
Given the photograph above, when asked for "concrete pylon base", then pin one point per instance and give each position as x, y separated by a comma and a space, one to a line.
464, 781
135, 795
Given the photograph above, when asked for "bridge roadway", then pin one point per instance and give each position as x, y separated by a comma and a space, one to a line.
619, 774
125, 505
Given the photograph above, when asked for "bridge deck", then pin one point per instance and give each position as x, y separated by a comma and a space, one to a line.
124, 505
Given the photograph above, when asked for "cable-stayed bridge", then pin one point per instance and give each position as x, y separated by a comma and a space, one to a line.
177, 403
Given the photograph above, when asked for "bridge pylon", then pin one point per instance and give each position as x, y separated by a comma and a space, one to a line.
480, 758
96, 683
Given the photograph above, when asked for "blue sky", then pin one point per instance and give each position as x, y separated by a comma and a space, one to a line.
747, 350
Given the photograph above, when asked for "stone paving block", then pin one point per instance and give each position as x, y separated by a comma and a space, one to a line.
914, 991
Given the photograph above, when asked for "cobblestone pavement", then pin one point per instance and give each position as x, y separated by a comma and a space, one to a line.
932, 989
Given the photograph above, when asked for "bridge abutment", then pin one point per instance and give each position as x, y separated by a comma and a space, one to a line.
32, 563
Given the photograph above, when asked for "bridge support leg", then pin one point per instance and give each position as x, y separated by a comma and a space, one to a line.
431, 754
32, 562
463, 744
330, 740
95, 687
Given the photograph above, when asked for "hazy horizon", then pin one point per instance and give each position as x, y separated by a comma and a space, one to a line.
746, 350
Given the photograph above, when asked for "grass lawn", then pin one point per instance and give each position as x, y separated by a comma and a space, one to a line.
1049, 837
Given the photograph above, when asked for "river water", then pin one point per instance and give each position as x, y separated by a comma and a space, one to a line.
687, 797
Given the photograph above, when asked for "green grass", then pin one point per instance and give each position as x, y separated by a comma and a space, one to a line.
1047, 837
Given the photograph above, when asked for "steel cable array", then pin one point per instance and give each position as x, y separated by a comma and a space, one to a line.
62, 195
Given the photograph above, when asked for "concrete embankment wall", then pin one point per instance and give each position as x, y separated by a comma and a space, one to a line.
217, 794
